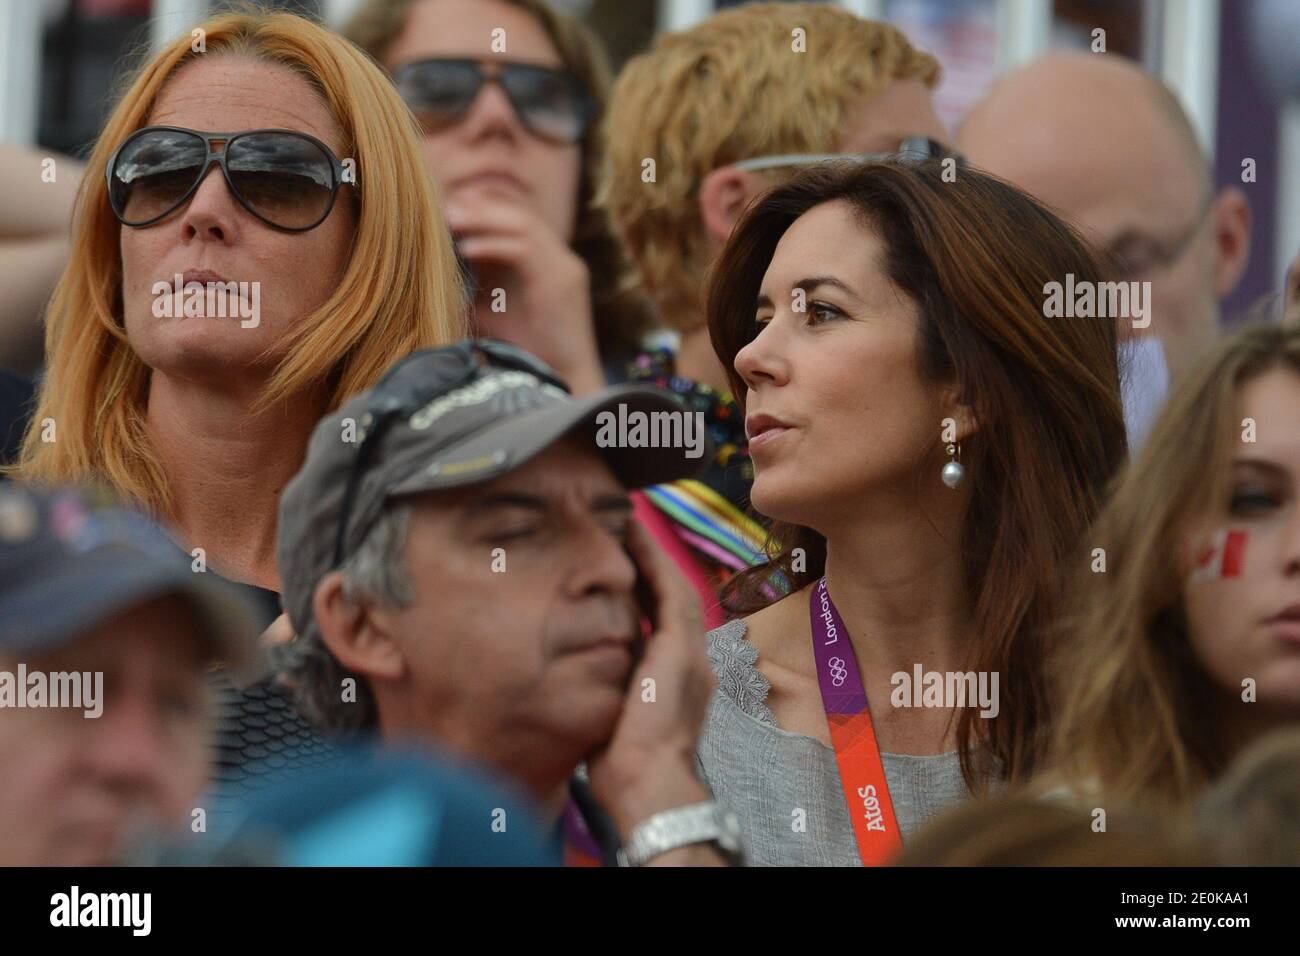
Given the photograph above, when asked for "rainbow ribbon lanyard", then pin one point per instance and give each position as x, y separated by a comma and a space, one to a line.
716, 528
854, 738
710, 522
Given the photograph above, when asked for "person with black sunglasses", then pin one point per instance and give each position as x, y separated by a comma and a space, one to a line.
462, 571
508, 94
235, 274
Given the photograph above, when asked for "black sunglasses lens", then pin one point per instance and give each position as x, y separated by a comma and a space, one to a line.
438, 92
286, 179
549, 102
153, 172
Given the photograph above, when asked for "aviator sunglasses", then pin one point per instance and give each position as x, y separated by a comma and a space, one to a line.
285, 178
550, 103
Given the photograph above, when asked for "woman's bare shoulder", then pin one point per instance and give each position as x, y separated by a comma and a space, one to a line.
776, 630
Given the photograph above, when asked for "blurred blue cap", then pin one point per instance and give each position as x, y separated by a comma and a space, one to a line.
383, 807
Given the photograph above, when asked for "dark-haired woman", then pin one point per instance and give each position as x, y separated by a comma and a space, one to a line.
930, 447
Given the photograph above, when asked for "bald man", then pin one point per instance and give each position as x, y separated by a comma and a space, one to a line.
1110, 149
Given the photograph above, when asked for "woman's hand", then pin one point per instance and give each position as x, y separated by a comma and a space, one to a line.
545, 296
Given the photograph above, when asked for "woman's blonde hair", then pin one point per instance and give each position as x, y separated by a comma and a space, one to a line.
1135, 717
730, 88
621, 311
399, 292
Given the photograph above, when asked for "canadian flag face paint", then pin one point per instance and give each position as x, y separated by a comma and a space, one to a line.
1221, 555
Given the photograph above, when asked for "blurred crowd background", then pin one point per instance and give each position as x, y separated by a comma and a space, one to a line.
1235, 66
313, 529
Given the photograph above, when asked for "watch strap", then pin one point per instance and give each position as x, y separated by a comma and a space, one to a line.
668, 830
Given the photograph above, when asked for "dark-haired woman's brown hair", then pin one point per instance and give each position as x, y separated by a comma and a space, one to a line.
975, 255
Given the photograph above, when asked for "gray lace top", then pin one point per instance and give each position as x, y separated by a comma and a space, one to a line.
767, 775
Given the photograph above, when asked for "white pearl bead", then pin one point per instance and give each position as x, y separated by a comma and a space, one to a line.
953, 474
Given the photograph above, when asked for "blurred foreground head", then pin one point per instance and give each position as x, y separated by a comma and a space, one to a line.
1252, 815
376, 807
105, 638
1025, 830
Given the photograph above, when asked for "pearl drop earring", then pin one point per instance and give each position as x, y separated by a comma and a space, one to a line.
953, 473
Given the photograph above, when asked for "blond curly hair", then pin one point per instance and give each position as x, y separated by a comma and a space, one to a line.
730, 88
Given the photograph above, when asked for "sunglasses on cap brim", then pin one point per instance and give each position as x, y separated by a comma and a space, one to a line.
914, 149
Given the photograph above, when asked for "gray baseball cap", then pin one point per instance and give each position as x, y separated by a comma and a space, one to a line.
71, 558
441, 419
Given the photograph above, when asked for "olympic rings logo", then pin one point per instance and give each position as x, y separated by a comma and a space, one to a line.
839, 673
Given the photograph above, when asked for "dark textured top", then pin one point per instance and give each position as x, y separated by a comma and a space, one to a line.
260, 735
261, 740
259, 732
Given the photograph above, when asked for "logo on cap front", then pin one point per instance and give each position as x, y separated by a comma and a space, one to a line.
508, 392
469, 466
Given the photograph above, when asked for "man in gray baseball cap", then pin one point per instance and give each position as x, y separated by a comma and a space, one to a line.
106, 636
461, 569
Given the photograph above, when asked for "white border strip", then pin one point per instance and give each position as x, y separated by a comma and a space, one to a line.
682, 14
21, 38
1190, 63
337, 13
170, 18
1024, 31
867, 9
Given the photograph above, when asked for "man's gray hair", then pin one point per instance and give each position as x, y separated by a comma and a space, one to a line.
373, 574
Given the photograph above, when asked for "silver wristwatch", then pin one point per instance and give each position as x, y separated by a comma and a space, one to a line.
682, 826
